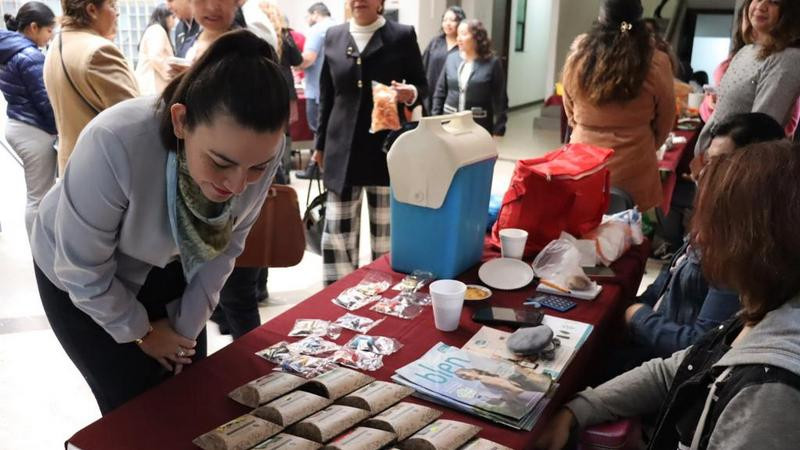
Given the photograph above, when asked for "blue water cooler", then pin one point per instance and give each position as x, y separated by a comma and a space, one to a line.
441, 179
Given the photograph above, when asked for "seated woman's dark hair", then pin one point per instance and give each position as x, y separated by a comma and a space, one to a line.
236, 76
612, 61
30, 12
745, 225
483, 43
749, 128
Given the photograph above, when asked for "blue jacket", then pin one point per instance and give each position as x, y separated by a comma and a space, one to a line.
689, 307
21, 81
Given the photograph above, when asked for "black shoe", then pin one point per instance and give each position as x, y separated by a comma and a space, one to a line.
311, 172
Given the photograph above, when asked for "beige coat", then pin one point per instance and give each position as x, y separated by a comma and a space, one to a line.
152, 70
98, 70
634, 129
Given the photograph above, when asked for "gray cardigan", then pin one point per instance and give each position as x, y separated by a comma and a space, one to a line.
101, 229
770, 86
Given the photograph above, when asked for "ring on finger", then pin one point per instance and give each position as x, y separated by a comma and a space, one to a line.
181, 353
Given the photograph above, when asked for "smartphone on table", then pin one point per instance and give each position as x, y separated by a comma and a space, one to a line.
508, 316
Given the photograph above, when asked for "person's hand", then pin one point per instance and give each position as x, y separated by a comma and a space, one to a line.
293, 114
168, 347
405, 92
556, 434
176, 69
631, 311
317, 157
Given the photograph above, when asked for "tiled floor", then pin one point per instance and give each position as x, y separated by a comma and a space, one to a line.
43, 399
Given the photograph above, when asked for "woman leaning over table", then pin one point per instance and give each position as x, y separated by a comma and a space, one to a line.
152, 71
30, 128
440, 47
619, 95
763, 76
84, 71
473, 80
738, 387
132, 248
367, 48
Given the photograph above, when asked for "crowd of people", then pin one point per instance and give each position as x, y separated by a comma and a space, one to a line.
162, 170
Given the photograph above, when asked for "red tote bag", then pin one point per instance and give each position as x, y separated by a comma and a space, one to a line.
565, 190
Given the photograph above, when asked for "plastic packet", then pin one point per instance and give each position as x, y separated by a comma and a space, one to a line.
357, 323
384, 108
617, 234
276, 353
313, 346
373, 283
397, 308
414, 282
558, 266
353, 299
414, 298
306, 366
380, 345
310, 327
358, 359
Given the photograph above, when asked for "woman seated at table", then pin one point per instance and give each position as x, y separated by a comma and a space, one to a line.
618, 93
763, 75
680, 306
132, 248
473, 80
739, 385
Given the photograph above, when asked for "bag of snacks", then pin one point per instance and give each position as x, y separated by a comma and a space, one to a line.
384, 108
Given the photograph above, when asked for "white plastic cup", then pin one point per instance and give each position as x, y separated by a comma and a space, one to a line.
512, 242
695, 100
448, 300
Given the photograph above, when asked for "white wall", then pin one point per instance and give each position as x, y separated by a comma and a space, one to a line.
479, 9
530, 71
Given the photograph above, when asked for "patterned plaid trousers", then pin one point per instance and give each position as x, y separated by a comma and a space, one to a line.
340, 237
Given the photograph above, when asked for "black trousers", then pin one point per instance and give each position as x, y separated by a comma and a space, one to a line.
115, 372
238, 301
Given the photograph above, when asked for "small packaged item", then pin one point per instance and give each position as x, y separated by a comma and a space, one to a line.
397, 308
276, 353
414, 282
376, 396
310, 327
375, 344
313, 346
306, 366
384, 108
357, 359
357, 323
353, 299
239, 434
337, 383
266, 388
374, 283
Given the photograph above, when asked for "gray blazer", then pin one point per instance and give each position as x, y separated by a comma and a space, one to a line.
100, 231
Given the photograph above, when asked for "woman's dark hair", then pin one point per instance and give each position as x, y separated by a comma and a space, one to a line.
786, 32
611, 62
160, 16
320, 9
750, 128
74, 12
237, 76
482, 42
458, 12
745, 225
30, 12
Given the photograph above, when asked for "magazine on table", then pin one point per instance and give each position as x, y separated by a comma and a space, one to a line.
571, 334
495, 389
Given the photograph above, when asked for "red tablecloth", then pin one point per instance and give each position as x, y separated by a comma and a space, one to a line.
175, 412
674, 159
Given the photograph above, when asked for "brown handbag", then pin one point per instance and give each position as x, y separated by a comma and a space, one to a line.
277, 238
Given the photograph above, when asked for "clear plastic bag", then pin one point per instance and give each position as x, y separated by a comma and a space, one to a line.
310, 327
616, 234
357, 323
384, 108
276, 353
306, 366
313, 346
358, 359
380, 345
374, 283
414, 282
352, 299
397, 307
558, 266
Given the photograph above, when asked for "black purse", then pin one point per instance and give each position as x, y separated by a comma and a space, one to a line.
314, 222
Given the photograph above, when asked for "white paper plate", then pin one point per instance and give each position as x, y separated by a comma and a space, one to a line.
506, 273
